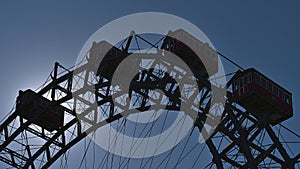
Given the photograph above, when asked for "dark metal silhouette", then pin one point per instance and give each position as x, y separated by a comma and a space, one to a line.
240, 127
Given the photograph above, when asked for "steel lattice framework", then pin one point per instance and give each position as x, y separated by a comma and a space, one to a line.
247, 142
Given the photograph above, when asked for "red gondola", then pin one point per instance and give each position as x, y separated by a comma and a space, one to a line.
40, 110
111, 58
190, 49
261, 96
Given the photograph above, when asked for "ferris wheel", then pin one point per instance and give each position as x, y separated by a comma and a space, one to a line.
168, 115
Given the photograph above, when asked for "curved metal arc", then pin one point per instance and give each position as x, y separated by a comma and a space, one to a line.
80, 137
48, 143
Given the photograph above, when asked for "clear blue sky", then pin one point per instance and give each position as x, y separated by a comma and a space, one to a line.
35, 34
